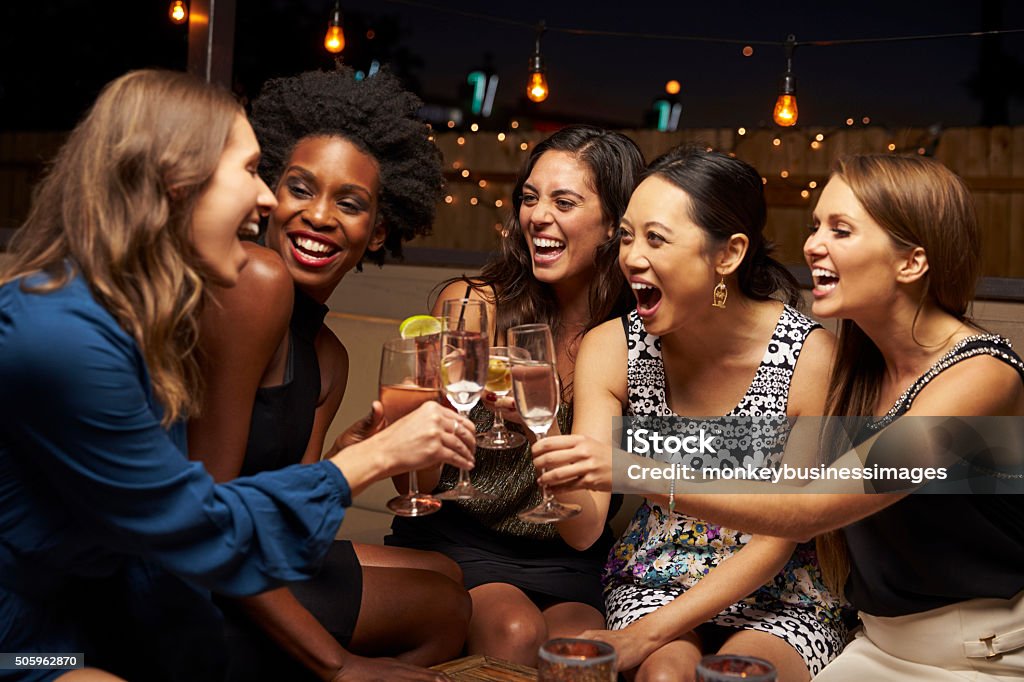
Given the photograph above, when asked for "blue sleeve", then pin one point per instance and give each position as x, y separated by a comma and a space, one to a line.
75, 405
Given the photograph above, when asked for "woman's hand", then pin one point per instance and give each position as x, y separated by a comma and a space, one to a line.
362, 429
631, 647
573, 463
361, 669
504, 404
429, 436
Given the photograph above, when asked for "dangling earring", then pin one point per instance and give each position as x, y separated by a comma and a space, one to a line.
719, 295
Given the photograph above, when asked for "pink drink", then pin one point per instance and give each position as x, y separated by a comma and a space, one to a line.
401, 399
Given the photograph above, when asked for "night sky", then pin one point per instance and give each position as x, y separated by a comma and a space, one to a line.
56, 54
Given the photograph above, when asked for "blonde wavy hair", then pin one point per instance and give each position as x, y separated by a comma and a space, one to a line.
115, 207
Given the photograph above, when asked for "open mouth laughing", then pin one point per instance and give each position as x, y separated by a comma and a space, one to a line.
313, 251
648, 297
546, 249
824, 280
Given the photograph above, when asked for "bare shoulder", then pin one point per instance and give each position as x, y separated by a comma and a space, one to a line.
808, 388
982, 385
602, 358
264, 292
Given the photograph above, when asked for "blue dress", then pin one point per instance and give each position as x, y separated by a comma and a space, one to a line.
93, 487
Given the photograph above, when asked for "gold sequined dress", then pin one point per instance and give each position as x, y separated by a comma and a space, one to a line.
492, 544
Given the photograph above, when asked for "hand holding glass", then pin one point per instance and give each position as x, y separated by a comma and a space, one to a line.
464, 358
409, 377
499, 382
537, 393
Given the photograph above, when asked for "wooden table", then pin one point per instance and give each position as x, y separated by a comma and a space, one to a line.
486, 669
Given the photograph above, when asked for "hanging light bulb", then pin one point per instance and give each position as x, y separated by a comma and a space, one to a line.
537, 88
334, 41
785, 106
178, 12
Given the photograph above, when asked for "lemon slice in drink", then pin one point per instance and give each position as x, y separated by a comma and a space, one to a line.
419, 325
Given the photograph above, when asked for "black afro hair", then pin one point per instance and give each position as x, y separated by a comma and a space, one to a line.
377, 115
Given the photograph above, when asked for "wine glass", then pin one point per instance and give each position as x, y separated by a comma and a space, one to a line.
499, 382
409, 377
536, 390
464, 372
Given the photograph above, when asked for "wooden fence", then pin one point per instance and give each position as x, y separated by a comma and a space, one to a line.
480, 168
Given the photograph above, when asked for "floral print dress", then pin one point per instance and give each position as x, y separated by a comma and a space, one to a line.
662, 554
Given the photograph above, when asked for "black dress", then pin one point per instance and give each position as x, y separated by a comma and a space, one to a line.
282, 421
492, 545
931, 550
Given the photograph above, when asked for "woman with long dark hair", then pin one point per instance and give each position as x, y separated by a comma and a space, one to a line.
556, 266
895, 252
708, 336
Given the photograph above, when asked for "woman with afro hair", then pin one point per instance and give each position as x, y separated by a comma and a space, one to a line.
355, 175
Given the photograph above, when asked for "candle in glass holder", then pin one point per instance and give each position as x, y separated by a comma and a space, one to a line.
576, 660
733, 668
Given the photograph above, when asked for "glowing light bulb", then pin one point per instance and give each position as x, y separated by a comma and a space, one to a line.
673, 87
785, 110
334, 41
178, 12
537, 89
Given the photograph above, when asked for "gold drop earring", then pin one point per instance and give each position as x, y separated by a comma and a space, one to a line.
720, 294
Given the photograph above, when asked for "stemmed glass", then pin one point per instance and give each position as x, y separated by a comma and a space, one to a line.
464, 372
536, 390
499, 382
409, 377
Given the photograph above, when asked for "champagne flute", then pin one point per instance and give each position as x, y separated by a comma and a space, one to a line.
499, 382
464, 372
537, 394
409, 377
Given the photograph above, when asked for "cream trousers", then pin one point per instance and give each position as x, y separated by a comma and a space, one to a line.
980, 639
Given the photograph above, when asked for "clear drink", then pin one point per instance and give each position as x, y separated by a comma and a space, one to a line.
536, 392
464, 368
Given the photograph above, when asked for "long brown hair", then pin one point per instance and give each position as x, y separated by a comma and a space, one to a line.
614, 162
115, 206
919, 203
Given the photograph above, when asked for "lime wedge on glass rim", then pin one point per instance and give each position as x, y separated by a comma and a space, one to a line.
419, 325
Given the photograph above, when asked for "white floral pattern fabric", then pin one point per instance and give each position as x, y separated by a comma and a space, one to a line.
662, 554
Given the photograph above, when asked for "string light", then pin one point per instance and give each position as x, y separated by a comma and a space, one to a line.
673, 87
475, 127
537, 88
786, 112
465, 172
741, 131
501, 137
524, 146
812, 184
334, 41
515, 124
460, 141
748, 50
178, 12
776, 141
482, 183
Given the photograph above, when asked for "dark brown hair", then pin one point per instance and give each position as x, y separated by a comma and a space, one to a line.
614, 163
